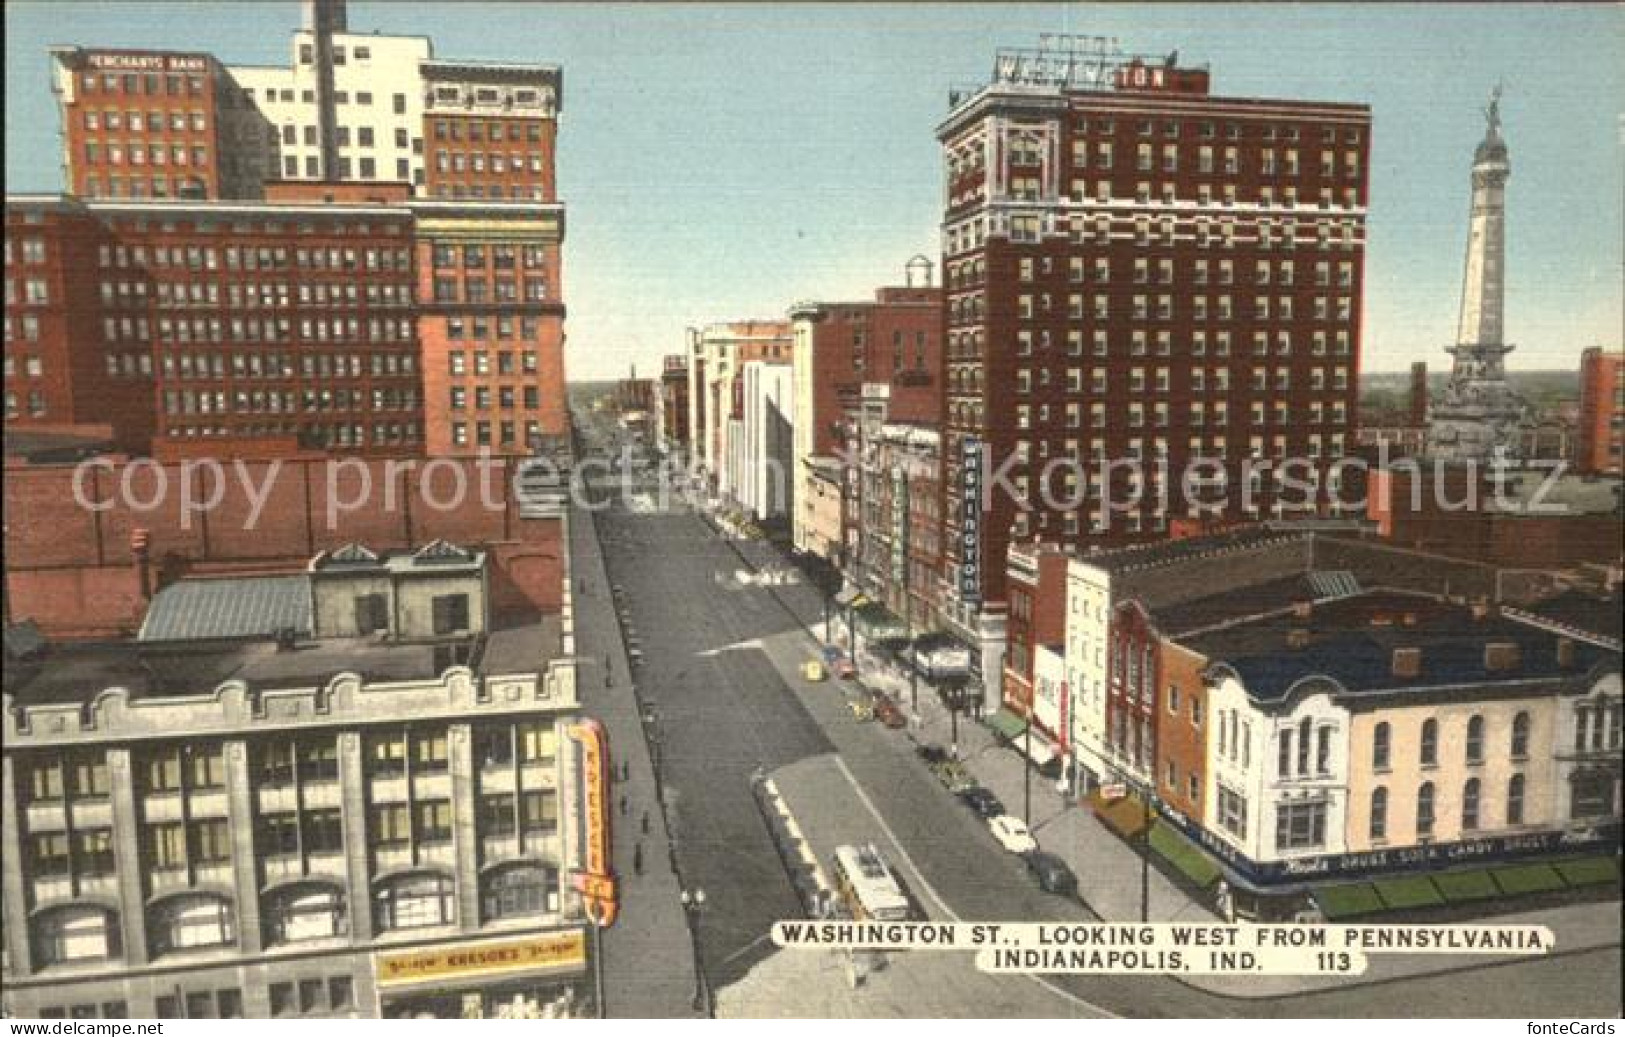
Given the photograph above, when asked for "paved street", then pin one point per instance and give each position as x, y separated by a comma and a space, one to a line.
721, 668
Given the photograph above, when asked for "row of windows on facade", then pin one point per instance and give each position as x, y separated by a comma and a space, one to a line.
1284, 272
174, 846
1143, 307
1301, 824
493, 130
1026, 148
970, 343
1144, 231
478, 290
37, 405
214, 330
156, 186
252, 329
83, 774
506, 433
311, 434
506, 399
494, 192
149, 84
258, 294
1027, 417
495, 162
314, 910
457, 361
308, 996
281, 365
1229, 160
1030, 189
263, 257
1196, 380
499, 256
171, 120
308, 401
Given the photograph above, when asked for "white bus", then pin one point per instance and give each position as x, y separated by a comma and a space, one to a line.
866, 883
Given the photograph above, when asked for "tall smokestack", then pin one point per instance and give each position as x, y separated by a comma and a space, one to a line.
322, 19
1419, 394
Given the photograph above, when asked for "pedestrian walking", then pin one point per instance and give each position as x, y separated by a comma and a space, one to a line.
645, 822
637, 858
623, 804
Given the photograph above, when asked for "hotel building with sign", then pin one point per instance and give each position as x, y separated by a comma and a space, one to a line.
342, 792
1137, 268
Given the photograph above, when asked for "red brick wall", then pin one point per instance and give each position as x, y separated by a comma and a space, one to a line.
1181, 737
161, 93
509, 354
986, 281
71, 568
516, 156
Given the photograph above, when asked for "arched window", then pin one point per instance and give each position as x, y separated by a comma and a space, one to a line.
1515, 800
1520, 736
1381, 740
192, 920
1469, 805
521, 890
1424, 810
1379, 813
1430, 742
1475, 740
413, 901
76, 932
307, 911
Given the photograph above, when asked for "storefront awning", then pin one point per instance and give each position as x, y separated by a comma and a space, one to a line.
879, 623
1126, 816
1183, 855
1347, 901
1006, 724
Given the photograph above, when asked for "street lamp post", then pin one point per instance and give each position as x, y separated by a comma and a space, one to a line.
1027, 772
693, 906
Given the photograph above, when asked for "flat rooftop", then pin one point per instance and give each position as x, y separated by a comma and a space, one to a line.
68, 673
1352, 641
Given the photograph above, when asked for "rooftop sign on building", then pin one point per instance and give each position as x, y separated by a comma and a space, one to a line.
1070, 62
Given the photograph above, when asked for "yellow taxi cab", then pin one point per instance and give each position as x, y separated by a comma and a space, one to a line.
813, 670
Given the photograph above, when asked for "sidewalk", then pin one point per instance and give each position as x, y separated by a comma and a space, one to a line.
648, 955
1109, 869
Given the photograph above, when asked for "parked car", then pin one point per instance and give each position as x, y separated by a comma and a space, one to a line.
1012, 834
845, 669
984, 803
933, 755
1051, 873
813, 670
860, 710
888, 712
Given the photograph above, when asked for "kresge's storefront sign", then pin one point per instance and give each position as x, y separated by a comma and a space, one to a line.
549, 952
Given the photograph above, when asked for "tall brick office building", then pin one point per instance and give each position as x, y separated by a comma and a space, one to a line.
1137, 268
359, 252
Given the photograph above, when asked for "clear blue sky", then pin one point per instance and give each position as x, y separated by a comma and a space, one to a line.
727, 160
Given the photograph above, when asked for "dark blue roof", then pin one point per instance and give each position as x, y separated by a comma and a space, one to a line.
1352, 641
